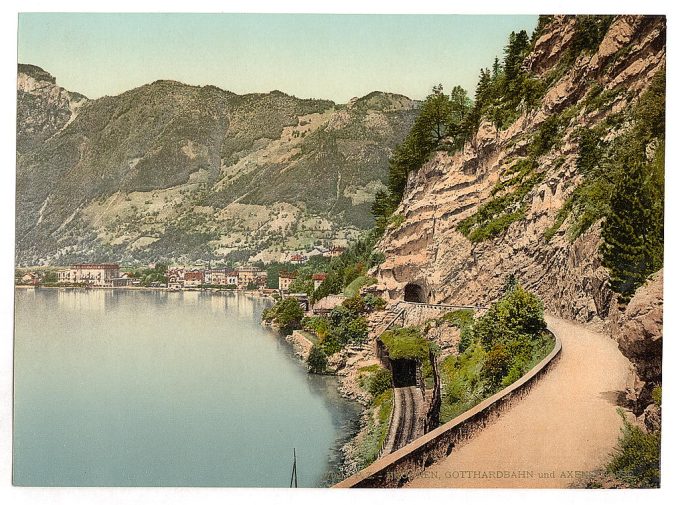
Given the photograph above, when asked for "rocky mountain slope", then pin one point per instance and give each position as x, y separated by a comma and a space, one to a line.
501, 207
43, 108
428, 248
177, 172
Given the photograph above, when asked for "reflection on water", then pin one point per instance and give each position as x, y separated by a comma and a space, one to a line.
150, 388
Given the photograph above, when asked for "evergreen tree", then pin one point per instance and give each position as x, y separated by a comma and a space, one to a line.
518, 44
460, 107
495, 69
633, 230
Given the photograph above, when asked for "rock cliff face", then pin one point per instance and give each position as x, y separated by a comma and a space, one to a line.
427, 249
638, 331
43, 108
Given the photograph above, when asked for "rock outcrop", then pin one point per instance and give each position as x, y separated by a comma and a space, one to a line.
639, 332
43, 108
428, 250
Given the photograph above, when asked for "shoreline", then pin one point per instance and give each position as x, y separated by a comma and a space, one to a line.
256, 293
345, 371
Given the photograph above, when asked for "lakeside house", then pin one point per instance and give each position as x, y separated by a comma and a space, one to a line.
251, 276
232, 278
193, 278
94, 274
125, 281
175, 277
326, 304
30, 278
318, 279
286, 279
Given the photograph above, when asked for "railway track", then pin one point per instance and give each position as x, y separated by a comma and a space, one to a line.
405, 426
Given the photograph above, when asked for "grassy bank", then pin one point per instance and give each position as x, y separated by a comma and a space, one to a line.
494, 351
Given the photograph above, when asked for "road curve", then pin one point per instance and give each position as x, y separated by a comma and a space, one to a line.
567, 423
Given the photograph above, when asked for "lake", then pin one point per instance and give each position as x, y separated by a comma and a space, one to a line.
153, 388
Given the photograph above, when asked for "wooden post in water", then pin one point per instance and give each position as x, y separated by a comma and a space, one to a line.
293, 477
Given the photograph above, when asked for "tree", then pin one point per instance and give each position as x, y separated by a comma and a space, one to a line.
50, 277
303, 283
518, 315
495, 69
356, 330
288, 314
496, 365
633, 229
355, 304
460, 107
317, 360
518, 44
589, 151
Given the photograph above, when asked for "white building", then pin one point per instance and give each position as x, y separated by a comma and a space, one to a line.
94, 274
232, 278
286, 279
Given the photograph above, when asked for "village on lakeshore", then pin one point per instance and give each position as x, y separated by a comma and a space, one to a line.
261, 278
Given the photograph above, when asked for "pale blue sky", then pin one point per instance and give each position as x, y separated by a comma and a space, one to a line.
307, 55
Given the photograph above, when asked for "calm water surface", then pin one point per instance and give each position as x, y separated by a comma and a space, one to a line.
132, 388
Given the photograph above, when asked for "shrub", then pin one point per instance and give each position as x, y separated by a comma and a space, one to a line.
374, 302
459, 318
286, 314
379, 382
406, 343
636, 459
317, 360
330, 344
318, 325
355, 305
357, 330
496, 365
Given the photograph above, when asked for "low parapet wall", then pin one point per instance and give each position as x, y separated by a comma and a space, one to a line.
417, 313
399, 467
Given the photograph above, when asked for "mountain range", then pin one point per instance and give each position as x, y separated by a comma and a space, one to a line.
174, 172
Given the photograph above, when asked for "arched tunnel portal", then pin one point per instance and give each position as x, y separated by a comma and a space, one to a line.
414, 293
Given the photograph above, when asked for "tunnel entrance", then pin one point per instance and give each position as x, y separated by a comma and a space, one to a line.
404, 372
414, 293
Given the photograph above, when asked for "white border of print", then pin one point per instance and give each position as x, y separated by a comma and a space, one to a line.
105, 496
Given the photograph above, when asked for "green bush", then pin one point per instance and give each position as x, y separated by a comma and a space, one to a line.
406, 343
369, 445
459, 318
496, 365
317, 360
374, 302
286, 314
637, 457
355, 305
317, 324
380, 382
495, 350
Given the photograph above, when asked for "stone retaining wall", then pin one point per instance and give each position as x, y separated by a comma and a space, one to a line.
397, 468
301, 344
